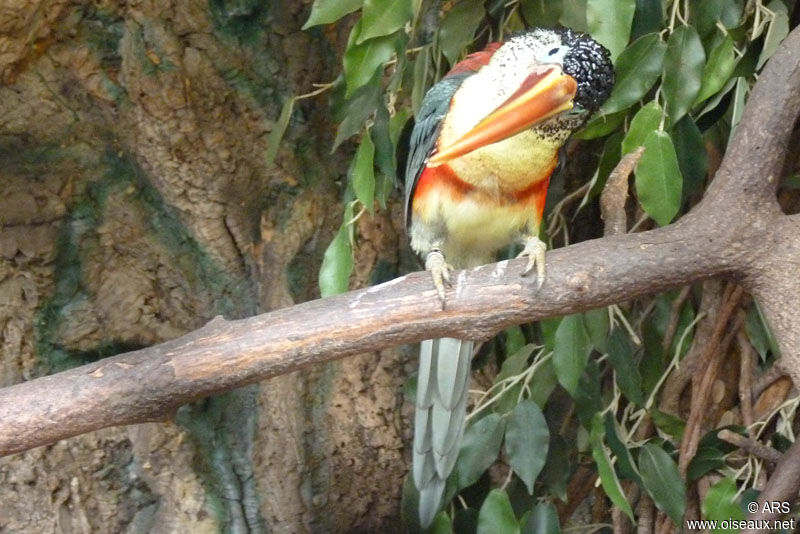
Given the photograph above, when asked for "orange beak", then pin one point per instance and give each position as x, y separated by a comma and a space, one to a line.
541, 96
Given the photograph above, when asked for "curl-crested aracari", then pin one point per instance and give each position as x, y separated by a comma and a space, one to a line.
486, 140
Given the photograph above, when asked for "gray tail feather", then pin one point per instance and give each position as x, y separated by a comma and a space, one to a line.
442, 386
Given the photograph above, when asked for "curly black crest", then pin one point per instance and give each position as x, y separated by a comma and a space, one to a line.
589, 63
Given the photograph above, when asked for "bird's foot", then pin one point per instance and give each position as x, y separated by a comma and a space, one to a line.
440, 271
534, 250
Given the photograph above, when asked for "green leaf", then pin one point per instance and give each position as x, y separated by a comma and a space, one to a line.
543, 383
658, 178
571, 351
362, 59
496, 515
609, 23
637, 69
778, 30
514, 364
337, 263
441, 524
384, 153
643, 123
327, 11
357, 109
363, 175
422, 66
574, 15
543, 13
739, 97
683, 71
649, 17
620, 354
625, 464
278, 129
662, 481
600, 125
692, 156
465, 521
382, 17
597, 325
542, 519
708, 13
720, 503
718, 70
479, 449
706, 459
527, 439
514, 340
556, 471
458, 28
605, 469
669, 424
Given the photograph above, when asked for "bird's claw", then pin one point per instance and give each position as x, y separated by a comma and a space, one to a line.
534, 250
440, 271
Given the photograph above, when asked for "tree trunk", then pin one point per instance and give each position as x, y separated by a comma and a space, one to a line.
137, 204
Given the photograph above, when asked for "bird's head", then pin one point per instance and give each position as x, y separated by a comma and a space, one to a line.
554, 77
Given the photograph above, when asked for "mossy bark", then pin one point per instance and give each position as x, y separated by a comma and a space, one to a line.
135, 205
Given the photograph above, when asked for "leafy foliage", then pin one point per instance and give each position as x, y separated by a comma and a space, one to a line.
585, 390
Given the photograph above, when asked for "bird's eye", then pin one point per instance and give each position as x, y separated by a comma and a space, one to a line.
553, 51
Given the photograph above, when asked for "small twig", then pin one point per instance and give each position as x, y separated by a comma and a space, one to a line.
754, 447
615, 193
746, 361
674, 318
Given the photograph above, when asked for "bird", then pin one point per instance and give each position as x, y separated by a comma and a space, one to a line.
485, 142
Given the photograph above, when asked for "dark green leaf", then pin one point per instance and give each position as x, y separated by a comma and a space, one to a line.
597, 325
357, 109
637, 68
709, 12
466, 521
605, 469
648, 18
692, 156
718, 70
543, 519
363, 59
278, 129
543, 13
458, 28
527, 439
706, 459
574, 15
608, 160
479, 449
620, 354
496, 515
737, 110
421, 72
669, 424
646, 120
662, 481
571, 351
441, 524
384, 154
600, 125
756, 333
609, 22
543, 383
514, 338
720, 503
514, 364
778, 30
382, 17
556, 470
363, 175
588, 397
327, 11
658, 178
625, 463
337, 263
683, 71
